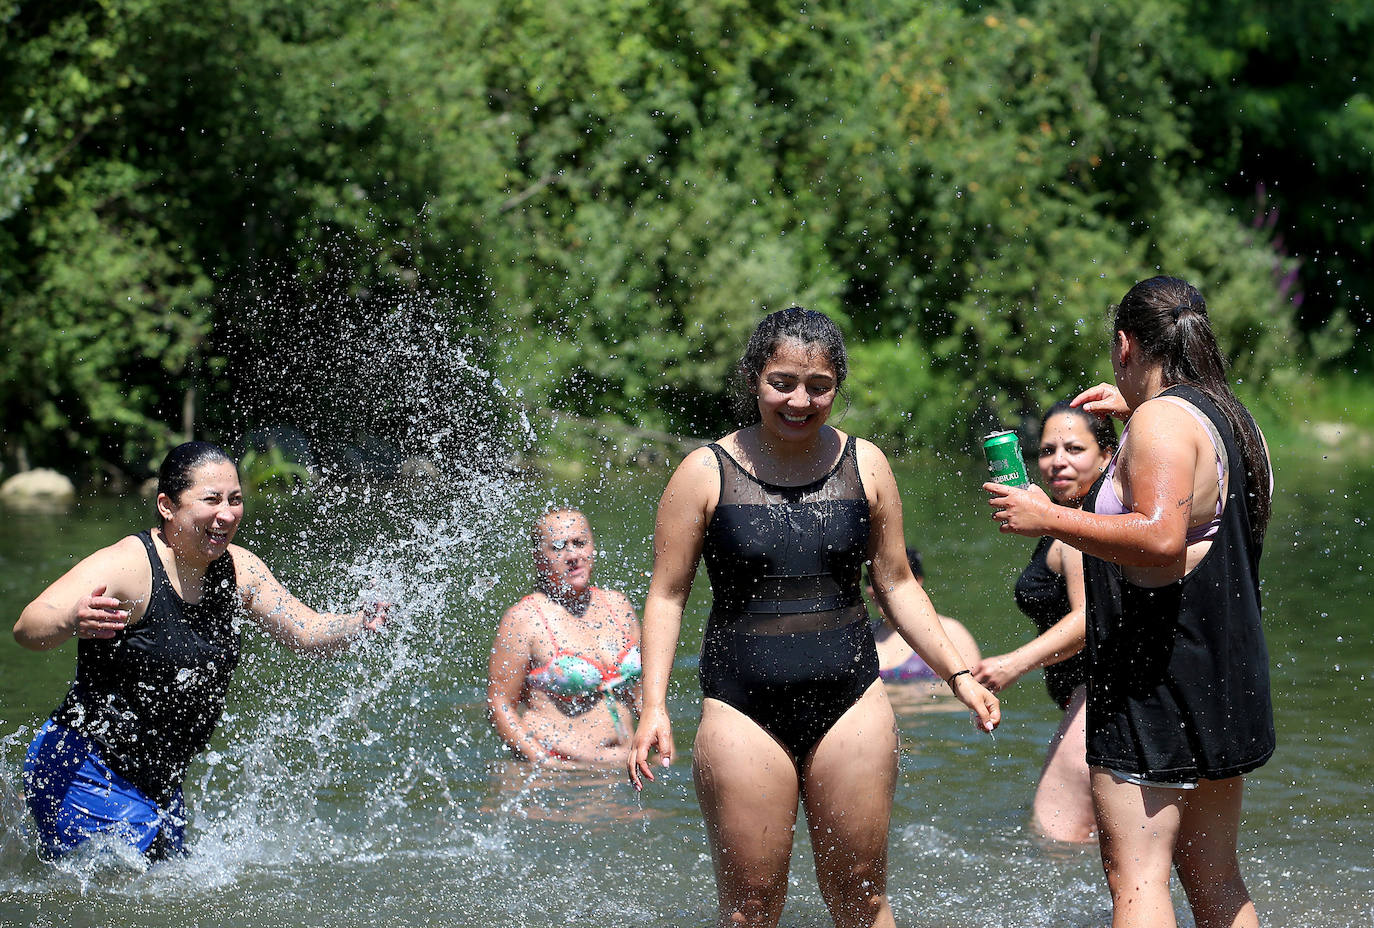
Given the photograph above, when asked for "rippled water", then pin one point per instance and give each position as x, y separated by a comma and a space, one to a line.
370, 790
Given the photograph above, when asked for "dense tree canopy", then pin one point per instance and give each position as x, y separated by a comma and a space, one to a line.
219, 217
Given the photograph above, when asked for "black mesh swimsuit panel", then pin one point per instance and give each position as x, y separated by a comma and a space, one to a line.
1043, 596
788, 642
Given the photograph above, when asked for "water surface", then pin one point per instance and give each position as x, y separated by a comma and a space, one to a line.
370, 790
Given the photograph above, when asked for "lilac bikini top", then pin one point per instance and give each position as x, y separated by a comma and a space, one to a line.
1109, 504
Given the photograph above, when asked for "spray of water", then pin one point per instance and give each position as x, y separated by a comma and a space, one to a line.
414, 503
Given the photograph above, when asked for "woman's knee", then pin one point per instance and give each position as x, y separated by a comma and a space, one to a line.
854, 875
1208, 870
753, 900
856, 886
1129, 866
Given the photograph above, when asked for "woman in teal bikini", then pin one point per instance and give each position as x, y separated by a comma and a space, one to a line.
563, 682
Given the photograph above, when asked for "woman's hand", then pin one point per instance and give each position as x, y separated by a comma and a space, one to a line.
987, 711
1020, 512
1103, 400
99, 616
998, 672
375, 615
655, 732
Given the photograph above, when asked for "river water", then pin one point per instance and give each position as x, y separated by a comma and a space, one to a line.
369, 790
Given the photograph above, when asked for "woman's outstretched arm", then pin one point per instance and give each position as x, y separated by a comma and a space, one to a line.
291, 622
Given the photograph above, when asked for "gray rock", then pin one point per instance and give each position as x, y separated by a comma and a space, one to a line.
39, 488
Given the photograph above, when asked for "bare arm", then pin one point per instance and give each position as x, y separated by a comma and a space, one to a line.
95, 599
292, 623
1157, 470
961, 638
1059, 642
679, 532
902, 599
507, 671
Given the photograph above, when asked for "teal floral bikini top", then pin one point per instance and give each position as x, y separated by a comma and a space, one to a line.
576, 682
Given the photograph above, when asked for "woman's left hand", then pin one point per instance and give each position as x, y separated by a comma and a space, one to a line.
1018, 511
987, 711
996, 673
375, 615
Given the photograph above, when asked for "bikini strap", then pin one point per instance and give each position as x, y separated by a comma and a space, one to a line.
552, 637
1218, 445
557, 648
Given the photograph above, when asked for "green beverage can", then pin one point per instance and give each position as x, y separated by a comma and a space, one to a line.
1003, 451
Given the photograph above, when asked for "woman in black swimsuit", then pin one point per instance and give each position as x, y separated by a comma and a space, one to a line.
786, 512
1075, 448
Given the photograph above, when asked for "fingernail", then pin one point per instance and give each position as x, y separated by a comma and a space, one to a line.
988, 726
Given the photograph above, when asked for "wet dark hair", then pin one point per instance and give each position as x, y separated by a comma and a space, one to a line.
1168, 317
174, 476
813, 329
1103, 430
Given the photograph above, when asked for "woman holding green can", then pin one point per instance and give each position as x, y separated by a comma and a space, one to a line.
1178, 673
1074, 450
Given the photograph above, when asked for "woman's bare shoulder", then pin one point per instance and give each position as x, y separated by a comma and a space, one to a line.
698, 475
616, 599
125, 556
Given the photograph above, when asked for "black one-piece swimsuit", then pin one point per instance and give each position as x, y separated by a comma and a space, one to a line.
788, 642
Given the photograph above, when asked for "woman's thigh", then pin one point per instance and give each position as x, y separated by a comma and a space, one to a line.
848, 783
747, 786
1063, 805
1206, 850
1137, 826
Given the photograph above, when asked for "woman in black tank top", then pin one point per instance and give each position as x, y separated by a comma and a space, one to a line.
786, 512
1178, 674
156, 618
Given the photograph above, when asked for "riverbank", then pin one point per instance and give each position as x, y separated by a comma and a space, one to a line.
1328, 418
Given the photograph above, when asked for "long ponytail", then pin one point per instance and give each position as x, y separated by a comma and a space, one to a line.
1169, 319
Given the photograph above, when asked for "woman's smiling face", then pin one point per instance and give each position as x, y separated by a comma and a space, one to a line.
796, 391
202, 522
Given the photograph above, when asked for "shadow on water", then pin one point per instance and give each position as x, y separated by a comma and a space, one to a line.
370, 790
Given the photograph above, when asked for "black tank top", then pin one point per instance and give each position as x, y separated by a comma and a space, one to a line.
787, 559
152, 695
1043, 596
1178, 680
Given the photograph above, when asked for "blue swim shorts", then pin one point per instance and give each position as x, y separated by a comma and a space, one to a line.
74, 795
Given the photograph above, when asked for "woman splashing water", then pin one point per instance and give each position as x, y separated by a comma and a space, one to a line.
154, 615
786, 512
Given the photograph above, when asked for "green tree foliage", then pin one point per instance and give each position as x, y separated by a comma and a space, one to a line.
594, 201
102, 310
1285, 112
